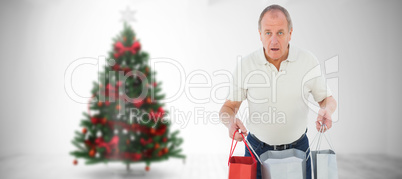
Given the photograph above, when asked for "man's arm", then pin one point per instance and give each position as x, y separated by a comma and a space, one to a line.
328, 107
227, 115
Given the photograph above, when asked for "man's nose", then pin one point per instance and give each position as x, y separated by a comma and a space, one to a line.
274, 39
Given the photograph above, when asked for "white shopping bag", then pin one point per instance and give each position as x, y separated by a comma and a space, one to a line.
324, 161
284, 164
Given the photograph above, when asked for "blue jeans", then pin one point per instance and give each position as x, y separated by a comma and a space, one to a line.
261, 147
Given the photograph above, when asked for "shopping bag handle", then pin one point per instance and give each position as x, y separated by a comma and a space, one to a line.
255, 153
312, 142
233, 148
328, 141
320, 133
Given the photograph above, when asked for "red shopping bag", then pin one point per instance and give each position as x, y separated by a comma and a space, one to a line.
241, 167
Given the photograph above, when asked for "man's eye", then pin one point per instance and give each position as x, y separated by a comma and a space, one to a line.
268, 33
280, 33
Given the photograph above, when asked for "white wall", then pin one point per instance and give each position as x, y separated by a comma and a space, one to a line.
393, 89
40, 39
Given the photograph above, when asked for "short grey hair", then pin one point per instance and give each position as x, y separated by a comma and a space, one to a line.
276, 7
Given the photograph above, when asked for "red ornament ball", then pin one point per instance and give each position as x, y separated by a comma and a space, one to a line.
84, 131
116, 67
75, 162
147, 168
138, 103
94, 120
142, 141
148, 100
92, 153
152, 131
104, 120
165, 150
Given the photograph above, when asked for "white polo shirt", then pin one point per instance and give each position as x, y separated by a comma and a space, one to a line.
277, 100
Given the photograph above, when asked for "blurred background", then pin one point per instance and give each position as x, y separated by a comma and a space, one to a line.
40, 39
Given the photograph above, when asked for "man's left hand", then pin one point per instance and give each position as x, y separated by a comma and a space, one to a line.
324, 118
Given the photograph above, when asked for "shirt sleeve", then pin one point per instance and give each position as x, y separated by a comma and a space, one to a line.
237, 92
318, 85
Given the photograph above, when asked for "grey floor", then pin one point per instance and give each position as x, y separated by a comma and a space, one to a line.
195, 166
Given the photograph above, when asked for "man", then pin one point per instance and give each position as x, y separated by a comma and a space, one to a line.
274, 81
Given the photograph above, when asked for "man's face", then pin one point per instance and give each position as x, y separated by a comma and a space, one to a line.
275, 34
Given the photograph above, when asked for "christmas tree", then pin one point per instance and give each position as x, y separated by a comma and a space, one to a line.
126, 121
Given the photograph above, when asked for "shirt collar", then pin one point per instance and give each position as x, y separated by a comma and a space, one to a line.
292, 56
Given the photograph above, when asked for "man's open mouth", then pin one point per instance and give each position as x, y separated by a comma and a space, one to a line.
274, 49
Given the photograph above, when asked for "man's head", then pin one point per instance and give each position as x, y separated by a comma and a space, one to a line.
275, 28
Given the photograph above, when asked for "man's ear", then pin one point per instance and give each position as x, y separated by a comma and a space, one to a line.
290, 33
259, 31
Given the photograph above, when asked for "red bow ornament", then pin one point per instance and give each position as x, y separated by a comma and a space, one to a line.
121, 49
145, 142
157, 115
138, 102
112, 144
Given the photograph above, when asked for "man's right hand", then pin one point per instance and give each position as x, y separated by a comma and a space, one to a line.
235, 126
228, 116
